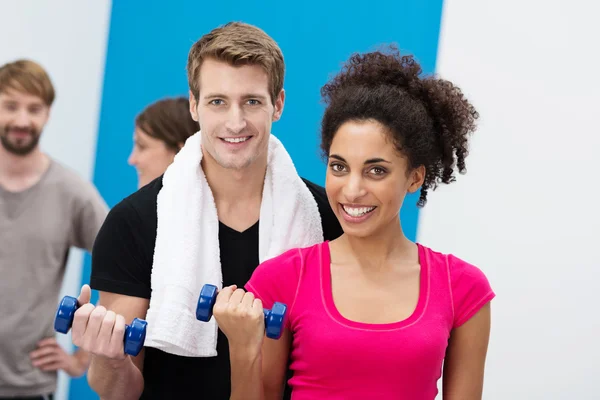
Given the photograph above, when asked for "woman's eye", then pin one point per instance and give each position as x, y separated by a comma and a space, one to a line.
378, 171
337, 167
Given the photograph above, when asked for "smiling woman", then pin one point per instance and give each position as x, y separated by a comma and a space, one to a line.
392, 315
367, 177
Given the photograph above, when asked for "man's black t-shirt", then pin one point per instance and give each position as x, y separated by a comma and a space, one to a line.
122, 263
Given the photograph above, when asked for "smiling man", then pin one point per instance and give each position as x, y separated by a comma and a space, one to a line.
230, 199
45, 209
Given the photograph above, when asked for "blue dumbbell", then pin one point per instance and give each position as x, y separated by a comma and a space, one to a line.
135, 334
274, 318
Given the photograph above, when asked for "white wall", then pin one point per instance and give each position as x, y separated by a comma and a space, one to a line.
69, 39
527, 210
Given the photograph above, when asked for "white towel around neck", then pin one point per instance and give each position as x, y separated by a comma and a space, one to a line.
186, 254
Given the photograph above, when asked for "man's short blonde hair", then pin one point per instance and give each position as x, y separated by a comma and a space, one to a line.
237, 43
29, 77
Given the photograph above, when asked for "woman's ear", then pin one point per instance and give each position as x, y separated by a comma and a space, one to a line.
417, 177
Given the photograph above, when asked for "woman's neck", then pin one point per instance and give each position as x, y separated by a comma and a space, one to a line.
385, 249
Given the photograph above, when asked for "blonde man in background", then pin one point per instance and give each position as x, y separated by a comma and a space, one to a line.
45, 209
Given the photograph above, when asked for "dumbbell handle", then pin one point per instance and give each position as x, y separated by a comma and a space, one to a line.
274, 318
134, 337
266, 313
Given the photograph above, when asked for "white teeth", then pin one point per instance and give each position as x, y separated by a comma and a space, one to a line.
236, 140
357, 211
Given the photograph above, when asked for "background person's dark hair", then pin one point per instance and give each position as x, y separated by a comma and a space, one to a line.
168, 120
429, 119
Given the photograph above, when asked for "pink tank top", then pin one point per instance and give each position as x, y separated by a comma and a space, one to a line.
335, 358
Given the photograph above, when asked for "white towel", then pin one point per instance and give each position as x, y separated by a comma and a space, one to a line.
186, 255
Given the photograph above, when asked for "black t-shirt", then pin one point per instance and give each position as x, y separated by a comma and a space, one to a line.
122, 263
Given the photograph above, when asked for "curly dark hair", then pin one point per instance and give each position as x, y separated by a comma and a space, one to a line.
429, 118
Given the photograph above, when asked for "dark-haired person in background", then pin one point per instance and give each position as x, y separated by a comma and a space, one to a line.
161, 130
371, 314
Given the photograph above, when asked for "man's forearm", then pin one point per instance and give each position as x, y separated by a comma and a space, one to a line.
246, 375
115, 380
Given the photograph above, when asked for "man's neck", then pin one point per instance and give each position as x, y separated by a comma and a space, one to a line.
19, 172
233, 186
237, 193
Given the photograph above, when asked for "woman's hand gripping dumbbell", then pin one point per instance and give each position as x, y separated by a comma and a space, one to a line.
238, 312
97, 329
